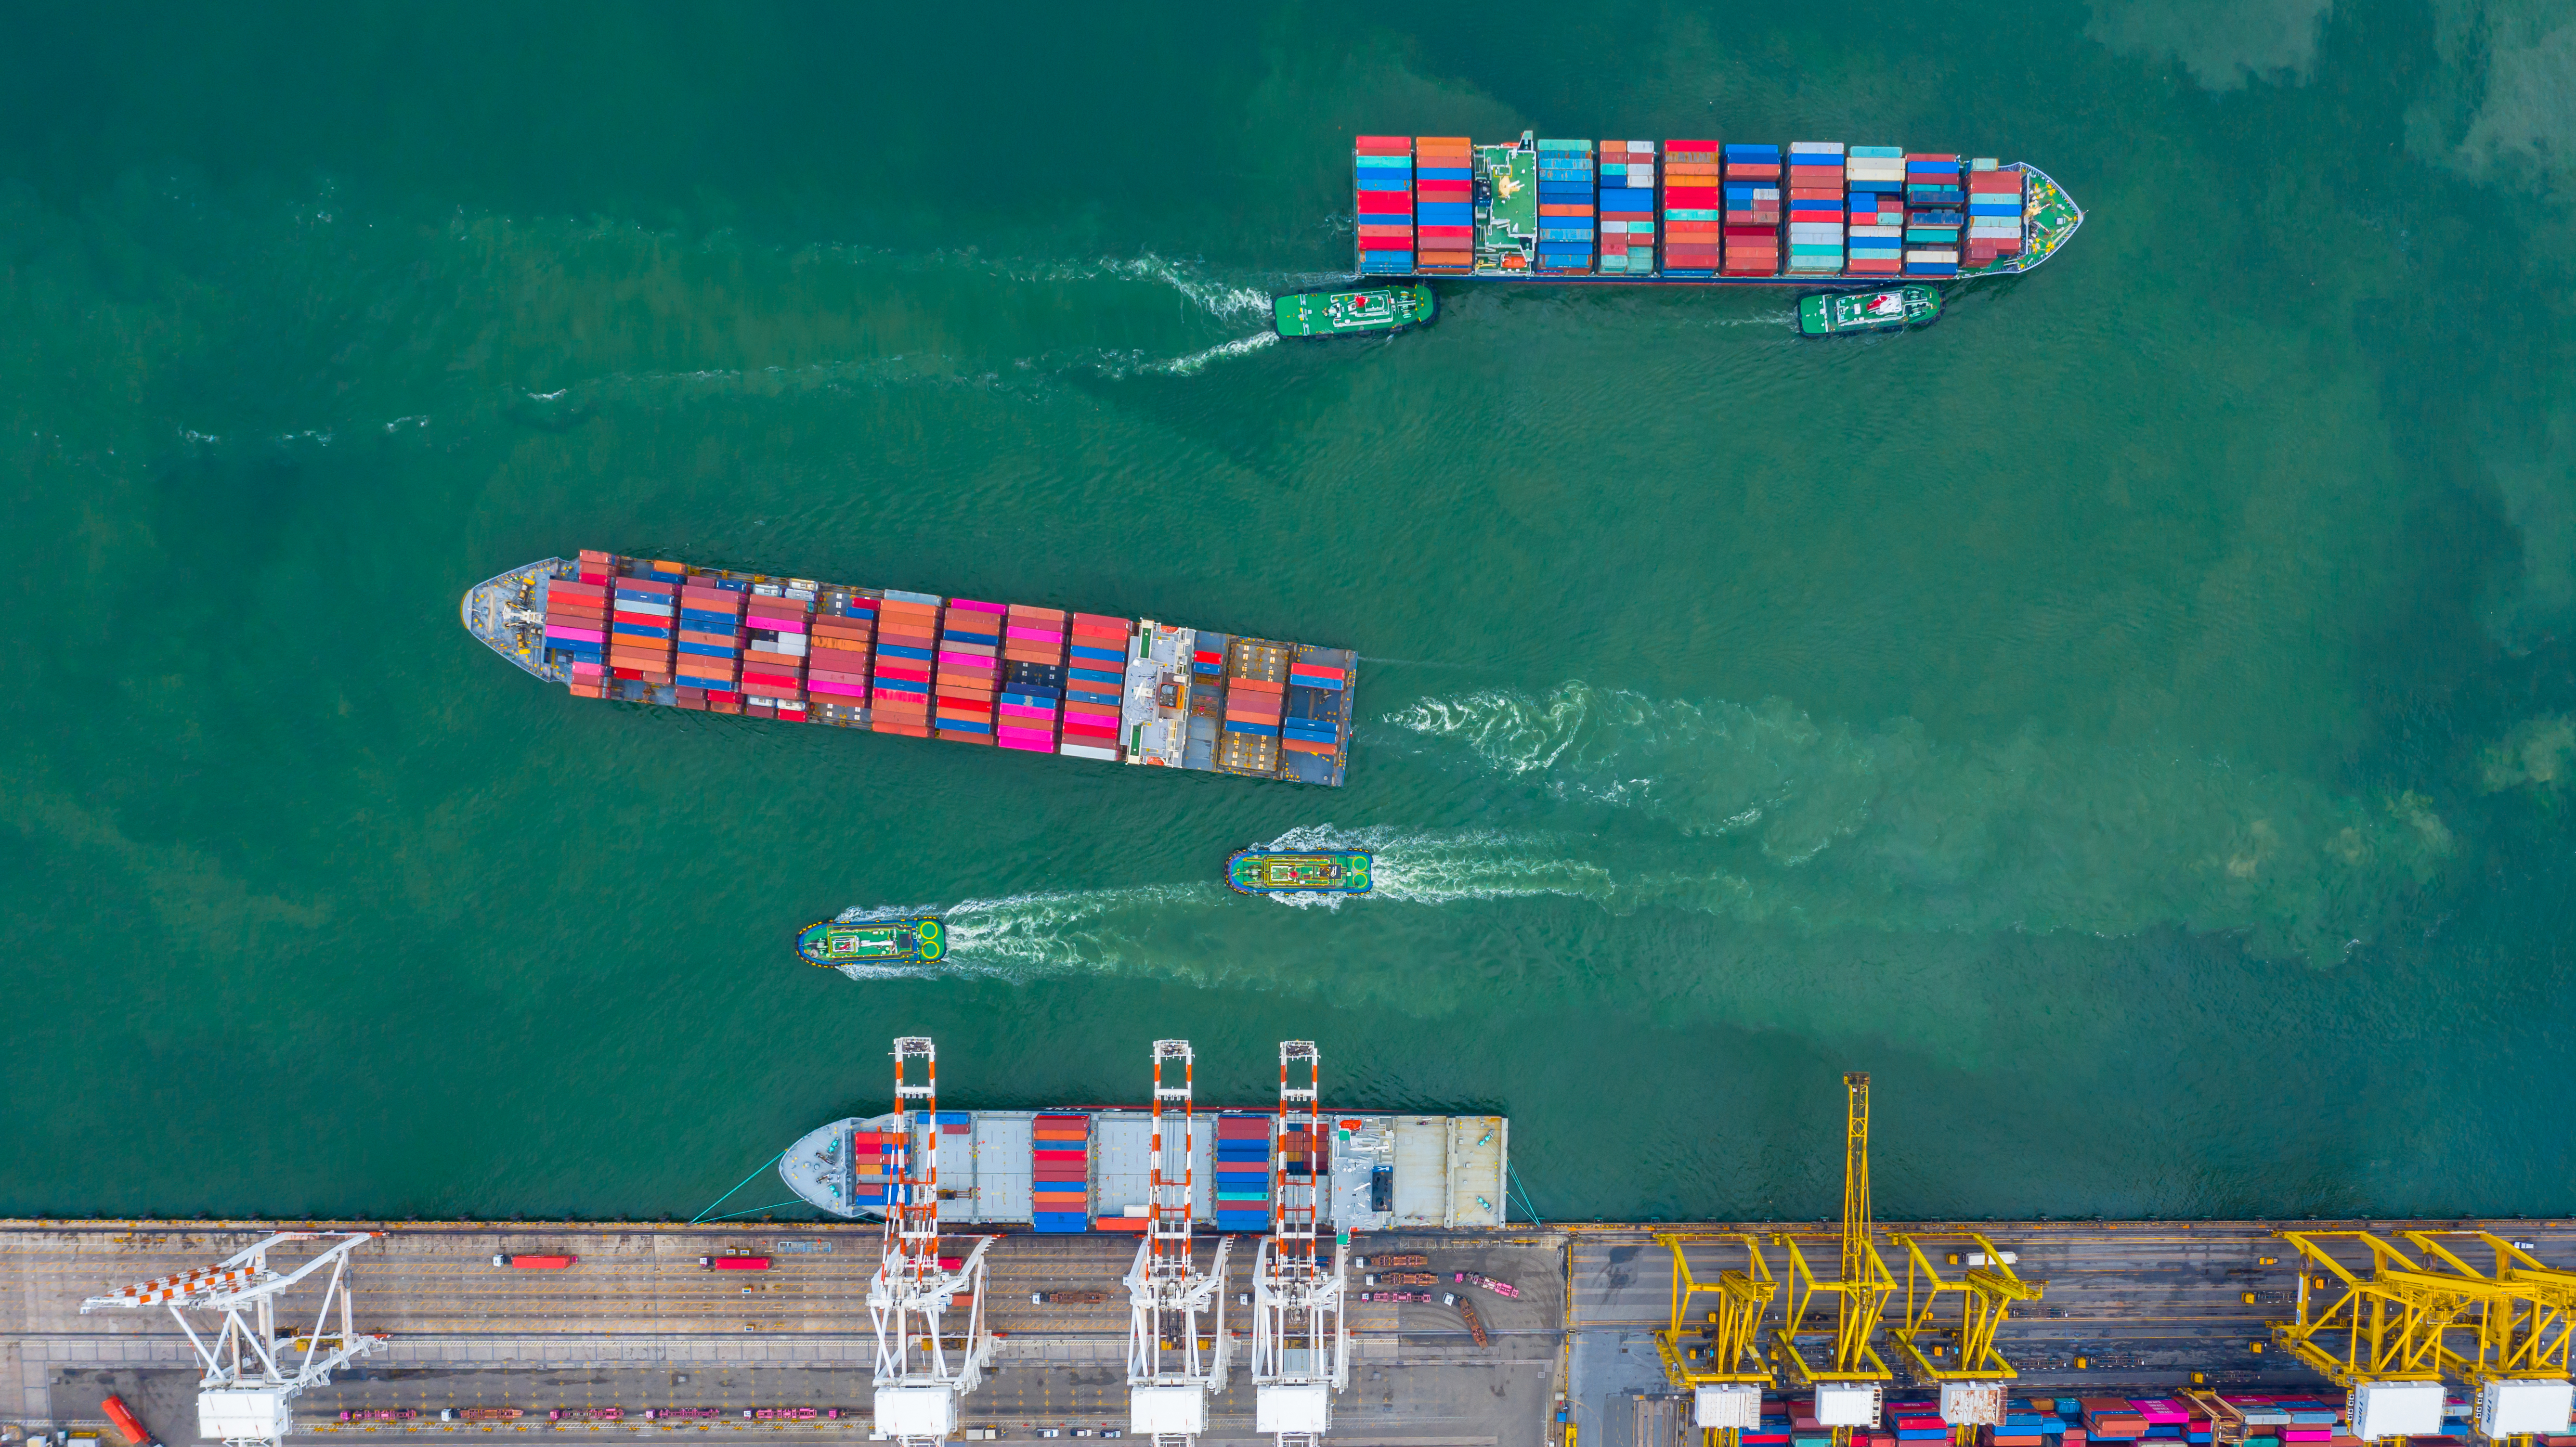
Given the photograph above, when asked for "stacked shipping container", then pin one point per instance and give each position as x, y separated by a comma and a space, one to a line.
577, 626
711, 636
641, 627
773, 660
836, 668
1444, 205
1995, 205
1816, 206
1032, 679
872, 1167
1316, 691
1565, 209
1382, 178
1243, 1173
907, 650
1692, 214
1752, 210
1253, 705
1060, 1173
1094, 680
1037, 679
1628, 207
1875, 176
1936, 210
969, 675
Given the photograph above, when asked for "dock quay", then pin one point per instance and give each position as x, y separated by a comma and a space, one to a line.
637, 1323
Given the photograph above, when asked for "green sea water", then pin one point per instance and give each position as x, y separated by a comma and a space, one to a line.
2132, 718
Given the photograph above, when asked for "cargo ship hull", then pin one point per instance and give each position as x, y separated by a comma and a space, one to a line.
1014, 676
1696, 213
1085, 1169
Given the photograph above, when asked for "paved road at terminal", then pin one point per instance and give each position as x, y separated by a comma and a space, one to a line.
638, 1323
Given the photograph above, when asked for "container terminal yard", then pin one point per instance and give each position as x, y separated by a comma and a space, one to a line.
2001, 1334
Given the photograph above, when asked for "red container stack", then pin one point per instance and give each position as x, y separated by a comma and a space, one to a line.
1094, 682
907, 647
577, 626
1752, 210
773, 663
1444, 205
836, 664
970, 661
640, 626
1692, 214
1382, 186
1032, 679
710, 657
1060, 1173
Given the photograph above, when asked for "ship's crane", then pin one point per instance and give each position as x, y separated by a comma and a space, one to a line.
1174, 1361
1948, 1327
2519, 1330
1300, 1338
252, 1373
1715, 1354
1849, 1383
2385, 1337
922, 1371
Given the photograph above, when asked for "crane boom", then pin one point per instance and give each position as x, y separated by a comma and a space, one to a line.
1300, 1337
922, 1374
1848, 1384
1170, 1374
251, 1374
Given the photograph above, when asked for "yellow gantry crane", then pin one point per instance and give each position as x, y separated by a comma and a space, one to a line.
2516, 1329
1848, 1383
1948, 1327
1946, 1335
1715, 1352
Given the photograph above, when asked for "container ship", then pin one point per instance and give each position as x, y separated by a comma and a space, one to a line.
1698, 212
1006, 675
1085, 1169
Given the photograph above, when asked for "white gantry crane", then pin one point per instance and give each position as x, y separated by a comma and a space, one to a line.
1300, 1339
1170, 1374
253, 1370
922, 1372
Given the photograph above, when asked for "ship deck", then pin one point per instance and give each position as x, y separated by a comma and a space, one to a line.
1393, 1171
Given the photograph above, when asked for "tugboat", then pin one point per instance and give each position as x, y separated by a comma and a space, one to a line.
1839, 313
1350, 312
1271, 871
920, 941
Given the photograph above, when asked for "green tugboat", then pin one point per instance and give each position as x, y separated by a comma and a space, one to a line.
921, 941
1271, 871
1352, 312
1839, 313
